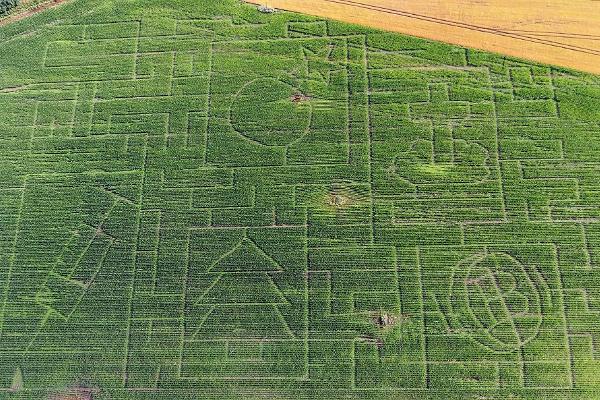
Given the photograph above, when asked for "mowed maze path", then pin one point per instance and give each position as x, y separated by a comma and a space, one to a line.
202, 201
558, 32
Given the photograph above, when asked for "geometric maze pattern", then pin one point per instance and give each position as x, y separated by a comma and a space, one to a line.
225, 200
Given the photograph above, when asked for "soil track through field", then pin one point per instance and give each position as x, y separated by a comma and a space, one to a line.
31, 11
564, 34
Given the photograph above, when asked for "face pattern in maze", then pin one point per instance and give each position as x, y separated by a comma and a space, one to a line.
211, 198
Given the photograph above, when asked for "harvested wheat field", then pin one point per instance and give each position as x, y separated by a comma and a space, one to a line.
202, 199
559, 32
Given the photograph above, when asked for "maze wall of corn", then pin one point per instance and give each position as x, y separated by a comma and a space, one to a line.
200, 200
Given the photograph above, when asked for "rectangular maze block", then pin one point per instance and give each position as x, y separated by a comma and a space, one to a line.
500, 304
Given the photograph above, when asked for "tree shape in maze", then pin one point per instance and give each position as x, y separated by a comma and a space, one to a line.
244, 304
496, 301
244, 289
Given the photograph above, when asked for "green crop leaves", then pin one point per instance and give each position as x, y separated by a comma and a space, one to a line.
201, 200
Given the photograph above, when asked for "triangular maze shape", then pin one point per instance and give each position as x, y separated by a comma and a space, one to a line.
246, 257
17, 381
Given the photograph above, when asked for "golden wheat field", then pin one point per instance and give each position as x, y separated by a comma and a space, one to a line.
559, 32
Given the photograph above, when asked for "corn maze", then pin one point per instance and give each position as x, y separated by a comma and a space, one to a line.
202, 201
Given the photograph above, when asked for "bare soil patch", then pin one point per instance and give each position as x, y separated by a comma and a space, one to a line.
560, 32
19, 15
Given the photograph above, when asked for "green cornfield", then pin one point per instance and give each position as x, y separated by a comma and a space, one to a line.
7, 5
199, 200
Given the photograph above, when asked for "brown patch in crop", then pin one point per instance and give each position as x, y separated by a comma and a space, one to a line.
372, 340
299, 98
12, 89
385, 320
342, 196
29, 12
74, 393
338, 200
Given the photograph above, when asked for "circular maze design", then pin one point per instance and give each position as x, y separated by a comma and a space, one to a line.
270, 112
497, 301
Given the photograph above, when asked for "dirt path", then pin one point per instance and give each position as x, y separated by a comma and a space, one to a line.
24, 13
559, 32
